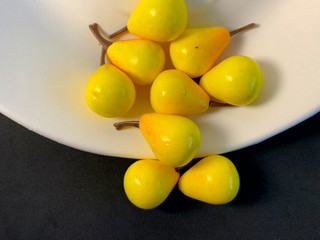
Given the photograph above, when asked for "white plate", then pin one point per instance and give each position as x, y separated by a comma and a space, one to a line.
48, 54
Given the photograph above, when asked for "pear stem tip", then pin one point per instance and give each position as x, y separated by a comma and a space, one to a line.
251, 25
121, 125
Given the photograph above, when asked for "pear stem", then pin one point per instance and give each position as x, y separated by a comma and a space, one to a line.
218, 104
192, 162
121, 125
95, 31
121, 30
251, 25
102, 57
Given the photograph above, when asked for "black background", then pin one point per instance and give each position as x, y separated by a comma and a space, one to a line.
50, 191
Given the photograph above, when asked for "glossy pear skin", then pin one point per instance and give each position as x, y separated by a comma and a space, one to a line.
197, 49
158, 20
174, 92
173, 139
214, 180
110, 92
147, 183
142, 60
237, 81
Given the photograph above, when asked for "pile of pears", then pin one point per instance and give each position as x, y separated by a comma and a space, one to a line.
174, 94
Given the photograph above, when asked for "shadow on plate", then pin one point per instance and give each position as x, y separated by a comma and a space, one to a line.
142, 103
271, 81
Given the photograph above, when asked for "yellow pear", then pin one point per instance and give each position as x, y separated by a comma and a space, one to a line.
174, 92
197, 49
141, 59
237, 80
158, 20
214, 180
173, 139
110, 92
147, 183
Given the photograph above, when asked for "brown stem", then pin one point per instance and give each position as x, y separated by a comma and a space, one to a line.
218, 104
193, 161
121, 125
251, 25
103, 56
121, 30
95, 30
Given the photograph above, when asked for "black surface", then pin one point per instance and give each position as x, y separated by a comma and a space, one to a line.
50, 191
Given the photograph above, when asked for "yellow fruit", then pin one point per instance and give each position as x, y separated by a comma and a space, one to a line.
110, 92
142, 60
197, 49
147, 183
174, 140
158, 20
173, 92
237, 81
213, 180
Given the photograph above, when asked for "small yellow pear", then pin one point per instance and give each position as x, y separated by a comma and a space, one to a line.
141, 59
173, 139
237, 81
214, 180
174, 92
158, 20
197, 49
147, 183
110, 92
